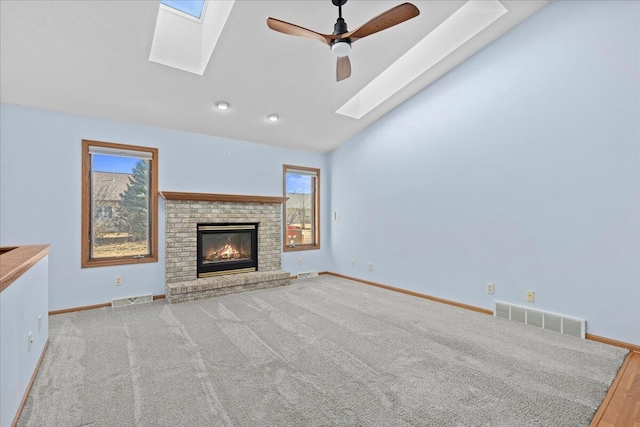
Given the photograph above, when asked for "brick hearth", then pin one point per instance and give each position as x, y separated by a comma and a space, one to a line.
185, 210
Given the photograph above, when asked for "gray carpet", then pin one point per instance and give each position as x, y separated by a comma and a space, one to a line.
321, 352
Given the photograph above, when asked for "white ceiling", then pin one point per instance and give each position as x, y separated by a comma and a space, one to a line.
91, 57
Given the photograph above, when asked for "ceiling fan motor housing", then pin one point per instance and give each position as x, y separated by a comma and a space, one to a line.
340, 27
340, 47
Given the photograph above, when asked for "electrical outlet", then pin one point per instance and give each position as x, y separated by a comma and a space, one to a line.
370, 266
29, 341
118, 280
300, 261
489, 288
353, 262
530, 296
39, 323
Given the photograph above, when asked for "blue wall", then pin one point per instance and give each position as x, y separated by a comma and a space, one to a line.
40, 193
521, 167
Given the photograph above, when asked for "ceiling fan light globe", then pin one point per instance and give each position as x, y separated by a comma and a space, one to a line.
341, 48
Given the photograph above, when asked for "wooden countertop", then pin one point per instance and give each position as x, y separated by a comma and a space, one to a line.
16, 260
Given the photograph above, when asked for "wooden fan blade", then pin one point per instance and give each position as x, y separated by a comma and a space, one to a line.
388, 19
295, 30
343, 68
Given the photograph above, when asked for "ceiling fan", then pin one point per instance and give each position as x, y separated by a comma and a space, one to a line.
341, 39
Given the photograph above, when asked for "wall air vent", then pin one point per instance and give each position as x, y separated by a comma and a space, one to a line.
307, 275
119, 302
554, 322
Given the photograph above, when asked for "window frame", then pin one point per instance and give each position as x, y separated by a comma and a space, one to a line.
86, 260
316, 210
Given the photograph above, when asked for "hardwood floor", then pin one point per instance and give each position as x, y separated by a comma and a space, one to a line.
621, 406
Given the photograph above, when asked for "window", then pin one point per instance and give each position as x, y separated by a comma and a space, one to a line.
302, 209
119, 204
191, 8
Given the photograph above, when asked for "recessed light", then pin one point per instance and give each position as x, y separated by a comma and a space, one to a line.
273, 117
222, 105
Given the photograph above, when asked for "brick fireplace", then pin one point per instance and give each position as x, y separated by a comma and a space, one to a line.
186, 211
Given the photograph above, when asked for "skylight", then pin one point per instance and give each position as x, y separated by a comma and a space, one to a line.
192, 8
187, 44
473, 17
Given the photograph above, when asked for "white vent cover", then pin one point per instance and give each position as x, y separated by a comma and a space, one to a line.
119, 302
307, 275
542, 319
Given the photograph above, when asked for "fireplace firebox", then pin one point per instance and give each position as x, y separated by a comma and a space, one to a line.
227, 248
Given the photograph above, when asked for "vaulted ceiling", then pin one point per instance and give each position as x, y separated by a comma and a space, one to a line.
92, 58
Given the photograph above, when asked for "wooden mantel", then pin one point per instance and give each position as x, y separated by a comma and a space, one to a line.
209, 197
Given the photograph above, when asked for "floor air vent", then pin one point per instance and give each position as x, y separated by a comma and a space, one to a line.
307, 275
119, 302
542, 319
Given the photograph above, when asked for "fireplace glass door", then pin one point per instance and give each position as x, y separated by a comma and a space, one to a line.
227, 248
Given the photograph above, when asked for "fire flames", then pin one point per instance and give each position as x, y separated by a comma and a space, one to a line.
227, 252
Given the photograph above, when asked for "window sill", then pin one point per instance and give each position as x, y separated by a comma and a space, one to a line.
117, 261
301, 248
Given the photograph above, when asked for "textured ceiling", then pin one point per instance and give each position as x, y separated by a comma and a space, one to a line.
92, 58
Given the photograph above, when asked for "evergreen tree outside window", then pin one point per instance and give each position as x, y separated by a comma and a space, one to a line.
119, 204
133, 207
